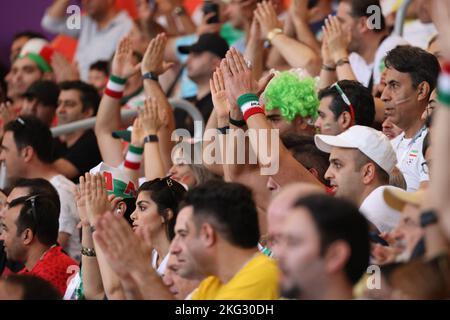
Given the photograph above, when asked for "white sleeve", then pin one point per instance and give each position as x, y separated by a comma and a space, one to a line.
68, 218
59, 26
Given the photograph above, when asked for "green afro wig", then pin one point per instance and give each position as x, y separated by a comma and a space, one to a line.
293, 95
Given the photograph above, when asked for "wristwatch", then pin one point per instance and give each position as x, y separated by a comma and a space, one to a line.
150, 76
273, 33
427, 218
151, 138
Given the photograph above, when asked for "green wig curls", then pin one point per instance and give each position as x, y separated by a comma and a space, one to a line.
294, 94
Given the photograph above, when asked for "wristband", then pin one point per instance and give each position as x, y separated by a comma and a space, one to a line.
151, 138
115, 87
223, 130
427, 218
88, 252
341, 62
237, 123
443, 88
249, 104
328, 68
133, 158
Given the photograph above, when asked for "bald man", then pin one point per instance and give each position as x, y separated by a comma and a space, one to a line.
280, 205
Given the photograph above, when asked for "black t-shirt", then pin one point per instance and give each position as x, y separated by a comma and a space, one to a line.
204, 105
84, 154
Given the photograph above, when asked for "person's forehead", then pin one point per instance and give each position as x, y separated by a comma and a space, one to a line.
343, 153
395, 75
25, 62
324, 104
344, 9
298, 221
8, 139
273, 112
70, 94
17, 193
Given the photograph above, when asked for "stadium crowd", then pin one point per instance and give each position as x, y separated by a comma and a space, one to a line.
315, 165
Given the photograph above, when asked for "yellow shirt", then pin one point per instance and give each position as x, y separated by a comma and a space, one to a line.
257, 280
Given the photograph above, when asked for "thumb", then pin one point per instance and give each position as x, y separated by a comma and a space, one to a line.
264, 81
167, 65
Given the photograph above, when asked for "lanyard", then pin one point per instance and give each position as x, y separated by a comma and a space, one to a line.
413, 140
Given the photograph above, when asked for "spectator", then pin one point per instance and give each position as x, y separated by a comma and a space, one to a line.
204, 58
30, 237
41, 101
99, 32
280, 205
216, 236
26, 151
411, 76
77, 101
28, 68
305, 152
98, 75
27, 287
291, 102
324, 249
361, 160
19, 40
358, 41
342, 105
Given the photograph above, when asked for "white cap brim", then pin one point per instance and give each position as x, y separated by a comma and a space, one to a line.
326, 142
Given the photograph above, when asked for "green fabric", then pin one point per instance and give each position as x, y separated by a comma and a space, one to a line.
42, 64
230, 34
117, 80
248, 97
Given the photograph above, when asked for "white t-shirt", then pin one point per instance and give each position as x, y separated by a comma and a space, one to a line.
161, 269
376, 210
410, 158
363, 71
68, 217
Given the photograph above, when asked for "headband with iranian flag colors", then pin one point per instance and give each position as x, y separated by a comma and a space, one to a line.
39, 51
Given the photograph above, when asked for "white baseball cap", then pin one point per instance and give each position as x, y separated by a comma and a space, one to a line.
374, 144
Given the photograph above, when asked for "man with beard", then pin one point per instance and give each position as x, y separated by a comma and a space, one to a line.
324, 249
77, 101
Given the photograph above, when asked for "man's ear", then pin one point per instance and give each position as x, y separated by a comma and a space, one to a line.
88, 113
27, 153
345, 120
336, 256
368, 173
423, 91
208, 235
27, 236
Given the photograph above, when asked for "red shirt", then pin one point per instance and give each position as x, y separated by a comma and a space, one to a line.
55, 267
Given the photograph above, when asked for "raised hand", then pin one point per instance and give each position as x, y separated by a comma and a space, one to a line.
122, 64
123, 249
80, 198
138, 133
63, 69
267, 18
150, 117
219, 95
206, 27
237, 75
326, 55
337, 38
153, 60
96, 197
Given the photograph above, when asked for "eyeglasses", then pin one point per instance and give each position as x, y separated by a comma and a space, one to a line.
346, 101
21, 121
31, 202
